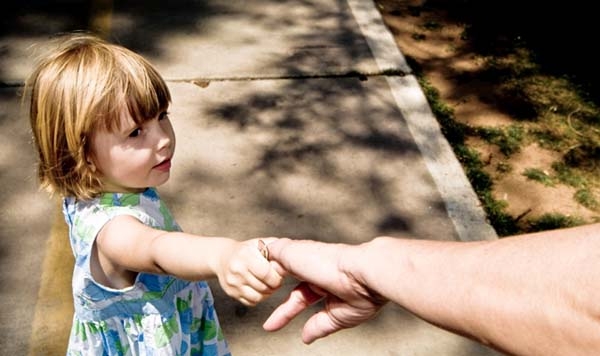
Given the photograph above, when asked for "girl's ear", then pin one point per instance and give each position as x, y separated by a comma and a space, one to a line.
90, 164
87, 154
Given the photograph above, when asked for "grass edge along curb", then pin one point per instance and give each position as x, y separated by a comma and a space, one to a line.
455, 133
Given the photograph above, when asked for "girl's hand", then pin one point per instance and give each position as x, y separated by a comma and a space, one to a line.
245, 274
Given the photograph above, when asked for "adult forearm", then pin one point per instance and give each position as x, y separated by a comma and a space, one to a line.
533, 294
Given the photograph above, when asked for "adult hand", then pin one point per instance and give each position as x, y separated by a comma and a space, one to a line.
326, 273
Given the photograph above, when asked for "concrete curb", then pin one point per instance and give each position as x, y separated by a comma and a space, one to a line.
462, 203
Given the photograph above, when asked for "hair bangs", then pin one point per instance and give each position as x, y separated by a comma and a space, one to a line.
147, 93
136, 89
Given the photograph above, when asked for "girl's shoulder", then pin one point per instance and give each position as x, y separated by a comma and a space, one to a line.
86, 218
145, 206
104, 206
114, 203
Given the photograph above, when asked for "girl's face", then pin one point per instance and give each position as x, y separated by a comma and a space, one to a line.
134, 157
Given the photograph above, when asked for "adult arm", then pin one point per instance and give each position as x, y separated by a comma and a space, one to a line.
530, 294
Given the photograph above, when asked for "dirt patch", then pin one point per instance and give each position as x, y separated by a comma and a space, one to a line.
528, 198
434, 42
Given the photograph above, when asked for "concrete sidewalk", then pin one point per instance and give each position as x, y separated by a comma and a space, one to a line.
296, 119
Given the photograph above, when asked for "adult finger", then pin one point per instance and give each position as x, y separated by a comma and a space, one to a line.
307, 260
318, 326
300, 298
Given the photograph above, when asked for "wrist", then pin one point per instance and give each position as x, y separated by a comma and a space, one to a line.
220, 254
380, 261
360, 262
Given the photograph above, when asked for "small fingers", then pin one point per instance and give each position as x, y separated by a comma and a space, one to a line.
254, 290
278, 268
273, 276
263, 286
249, 296
263, 247
253, 278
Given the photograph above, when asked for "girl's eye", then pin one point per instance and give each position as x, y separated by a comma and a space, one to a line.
135, 133
163, 115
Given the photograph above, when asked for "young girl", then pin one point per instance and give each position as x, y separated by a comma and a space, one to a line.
102, 130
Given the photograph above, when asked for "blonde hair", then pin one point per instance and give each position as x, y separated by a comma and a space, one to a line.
84, 85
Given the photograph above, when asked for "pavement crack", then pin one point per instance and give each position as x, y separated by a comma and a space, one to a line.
203, 82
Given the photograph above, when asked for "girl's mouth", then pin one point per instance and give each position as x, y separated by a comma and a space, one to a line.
164, 165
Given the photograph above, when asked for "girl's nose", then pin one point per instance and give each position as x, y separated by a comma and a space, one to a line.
164, 133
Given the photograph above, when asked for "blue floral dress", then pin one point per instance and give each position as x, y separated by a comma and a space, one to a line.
158, 314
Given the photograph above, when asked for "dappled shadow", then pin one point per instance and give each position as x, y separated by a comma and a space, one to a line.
560, 36
123, 23
311, 117
25, 215
136, 25
510, 68
329, 159
347, 135
558, 32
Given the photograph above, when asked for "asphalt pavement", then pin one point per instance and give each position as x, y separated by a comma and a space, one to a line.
298, 119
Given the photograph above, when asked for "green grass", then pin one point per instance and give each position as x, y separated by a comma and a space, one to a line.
481, 181
508, 140
549, 108
568, 176
586, 198
503, 167
539, 176
553, 221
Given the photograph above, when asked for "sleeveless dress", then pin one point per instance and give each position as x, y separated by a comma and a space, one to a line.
158, 314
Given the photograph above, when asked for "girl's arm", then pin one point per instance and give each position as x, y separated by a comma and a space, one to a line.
126, 246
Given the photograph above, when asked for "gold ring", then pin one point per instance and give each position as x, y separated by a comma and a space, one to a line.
264, 251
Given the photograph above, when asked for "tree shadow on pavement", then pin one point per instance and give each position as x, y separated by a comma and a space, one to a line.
325, 158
